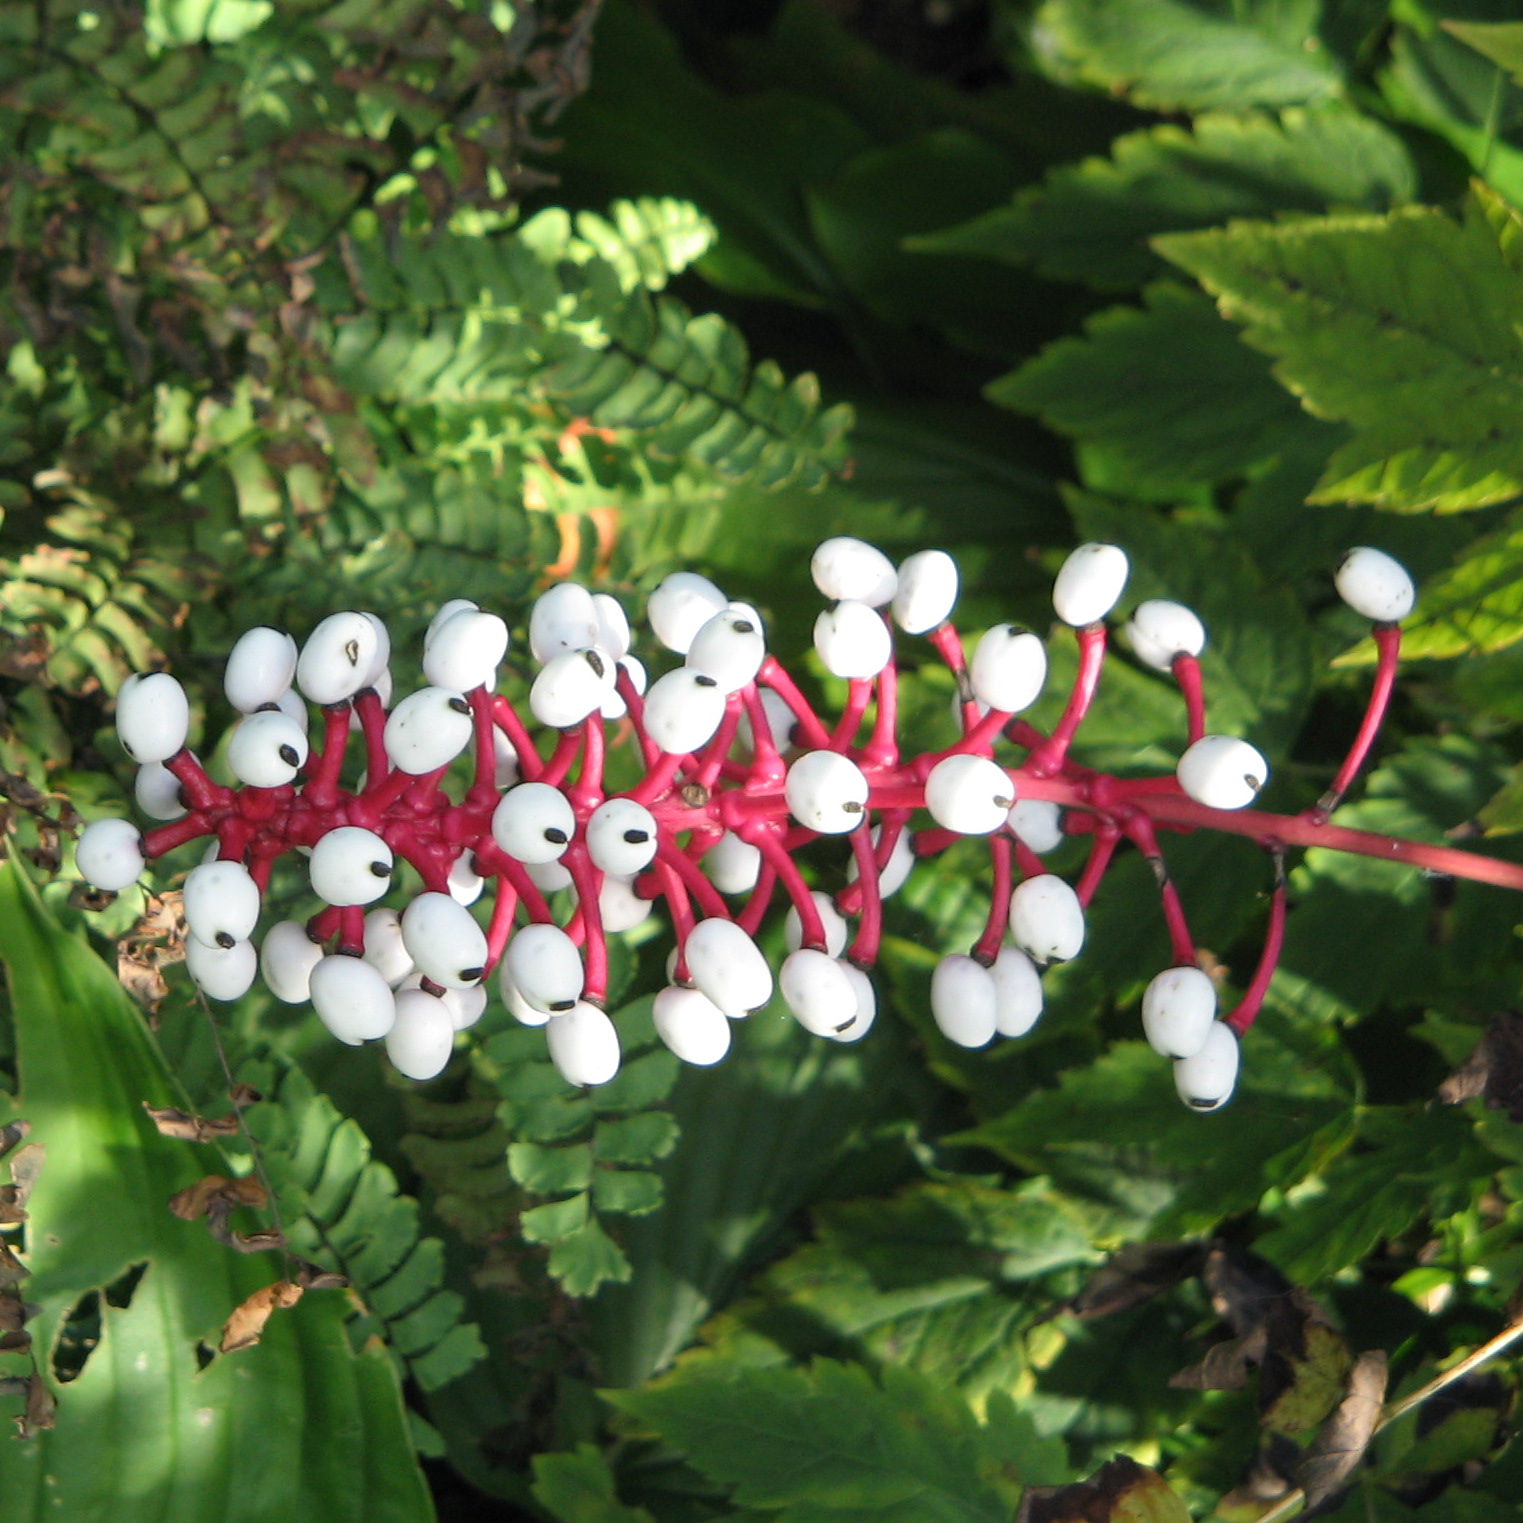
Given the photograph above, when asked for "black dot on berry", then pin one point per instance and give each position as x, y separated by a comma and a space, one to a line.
470, 975
595, 661
460, 706
352, 652
289, 757
702, 681
1003, 802
851, 806
562, 1004
226, 940
743, 626
381, 869
556, 836
1252, 781
637, 837
1200, 1103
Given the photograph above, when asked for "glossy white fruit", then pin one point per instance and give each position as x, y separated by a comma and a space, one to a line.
963, 1000
293, 706
853, 641
287, 957
730, 647
867, 1006
1178, 1012
1222, 772
818, 991
683, 709
613, 625
901, 860
1159, 631
732, 864
846, 568
836, 926
222, 973
571, 687
546, 967
377, 675
533, 822
1090, 584
157, 792
350, 865
466, 1006
1009, 668
221, 903
549, 877
446, 612
152, 717
1376, 585
465, 883
422, 1036
633, 668
563, 619
927, 591
428, 730
1017, 992
728, 967
384, 948
1046, 919
692, 1026
504, 761
826, 792
622, 837
584, 1045
444, 941
352, 999
465, 651
267, 749
620, 907
260, 668
681, 606
518, 1007
1205, 1081
969, 794
1038, 823
339, 658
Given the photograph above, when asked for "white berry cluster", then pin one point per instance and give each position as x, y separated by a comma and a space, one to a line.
739, 771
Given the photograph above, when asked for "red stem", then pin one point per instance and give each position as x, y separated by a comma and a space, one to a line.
1107, 834
586, 793
1000, 853
505, 717
767, 768
772, 675
859, 691
587, 880
1187, 674
1388, 644
372, 717
882, 748
750, 918
812, 928
1274, 938
694, 881
947, 644
322, 771
500, 928
1139, 830
863, 950
1048, 757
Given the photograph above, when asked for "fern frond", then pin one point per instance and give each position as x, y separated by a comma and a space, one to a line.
646, 241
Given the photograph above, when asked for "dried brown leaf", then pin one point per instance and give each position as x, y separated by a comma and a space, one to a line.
1134, 1274
1226, 1365
218, 1214
195, 1200
246, 1325
187, 1128
314, 1277
1121, 1491
41, 1409
1494, 1070
12, 1270
12, 1133
1340, 1446
244, 1095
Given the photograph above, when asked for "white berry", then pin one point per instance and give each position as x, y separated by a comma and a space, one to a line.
1038, 823
728, 966
927, 591
422, 1036
867, 1006
1047, 919
152, 717
730, 648
546, 967
428, 730
571, 687
733, 864
853, 641
622, 837
851, 568
339, 658
466, 885
1178, 1010
260, 668
683, 710
969, 794
835, 925
533, 822
826, 792
620, 907
157, 792
691, 1025
466, 651
444, 941
1017, 992
384, 947
221, 972
221, 903
584, 1045
613, 625
352, 999
1009, 668
287, 957
681, 606
1222, 772
1205, 1080
267, 749
963, 1000
518, 1007
1159, 631
1376, 585
1090, 584
350, 865
816, 988
901, 860
563, 619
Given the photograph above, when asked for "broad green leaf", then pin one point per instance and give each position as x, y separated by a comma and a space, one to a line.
1408, 327
832, 1440
1500, 41
143, 1433
579, 1488
1196, 55
1168, 392
1091, 222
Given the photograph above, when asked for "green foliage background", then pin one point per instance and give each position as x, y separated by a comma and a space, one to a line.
382, 302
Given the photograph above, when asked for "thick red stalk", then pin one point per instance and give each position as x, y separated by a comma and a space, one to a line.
773, 675
1000, 853
1048, 757
1388, 645
1139, 831
1187, 674
1247, 1010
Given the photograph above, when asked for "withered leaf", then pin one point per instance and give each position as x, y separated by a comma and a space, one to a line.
243, 1096
1242, 1286
14, 1312
246, 1325
1345, 1436
1226, 1365
1134, 1274
142, 978
1494, 1070
12, 1133
41, 1409
12, 1270
218, 1213
25, 1167
11, 1212
315, 1277
15, 1341
181, 1125
195, 1200
1121, 1491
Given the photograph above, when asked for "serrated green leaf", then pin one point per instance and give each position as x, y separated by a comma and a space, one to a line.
632, 1192
554, 1221
1198, 55
587, 1258
1408, 327
1168, 392
579, 1488
634, 1139
1091, 222
550, 1171
1500, 41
